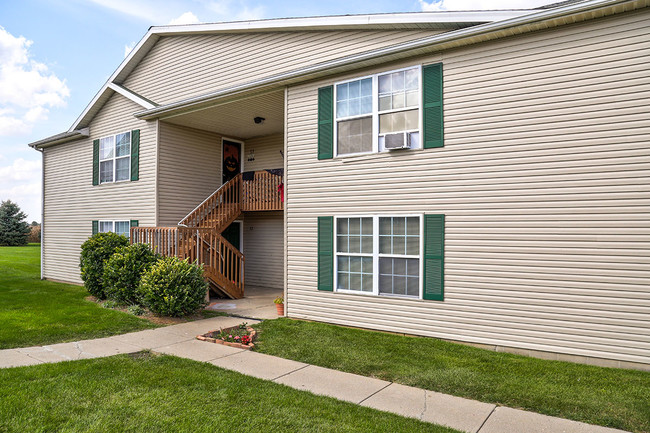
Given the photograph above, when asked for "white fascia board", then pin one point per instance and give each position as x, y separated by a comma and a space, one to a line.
331, 22
132, 96
353, 61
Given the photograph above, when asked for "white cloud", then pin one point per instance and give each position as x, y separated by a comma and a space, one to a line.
128, 48
465, 5
27, 88
21, 183
235, 10
186, 18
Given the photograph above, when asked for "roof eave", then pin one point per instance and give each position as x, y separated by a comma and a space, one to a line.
61, 138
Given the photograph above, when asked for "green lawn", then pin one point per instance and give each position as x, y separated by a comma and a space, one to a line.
605, 396
147, 393
35, 312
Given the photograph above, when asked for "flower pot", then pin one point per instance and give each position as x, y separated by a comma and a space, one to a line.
280, 308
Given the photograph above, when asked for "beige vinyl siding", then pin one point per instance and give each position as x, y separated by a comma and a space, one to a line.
263, 249
180, 67
267, 152
544, 183
189, 170
72, 202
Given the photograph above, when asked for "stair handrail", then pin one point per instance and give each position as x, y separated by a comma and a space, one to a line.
183, 221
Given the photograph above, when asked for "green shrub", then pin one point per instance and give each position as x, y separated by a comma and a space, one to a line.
123, 270
173, 287
136, 310
94, 253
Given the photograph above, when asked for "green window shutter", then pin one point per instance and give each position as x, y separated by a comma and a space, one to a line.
95, 227
434, 257
95, 162
326, 253
326, 122
135, 154
134, 223
432, 97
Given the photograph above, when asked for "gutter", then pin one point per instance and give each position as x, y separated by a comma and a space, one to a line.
64, 137
395, 52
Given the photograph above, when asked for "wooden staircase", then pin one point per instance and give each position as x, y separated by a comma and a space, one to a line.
198, 236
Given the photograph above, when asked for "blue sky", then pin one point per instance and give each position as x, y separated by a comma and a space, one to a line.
56, 54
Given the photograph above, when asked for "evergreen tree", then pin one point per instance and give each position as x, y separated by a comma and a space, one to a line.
13, 227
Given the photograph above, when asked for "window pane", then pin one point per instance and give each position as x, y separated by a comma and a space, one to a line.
413, 226
342, 244
122, 228
397, 79
385, 103
106, 171
399, 226
412, 79
366, 265
343, 281
354, 98
412, 119
399, 246
355, 264
366, 283
105, 226
385, 226
123, 144
399, 276
384, 84
413, 245
343, 264
385, 245
122, 166
412, 98
366, 226
342, 109
342, 226
355, 282
355, 226
355, 136
106, 147
342, 92
366, 244
398, 100
355, 244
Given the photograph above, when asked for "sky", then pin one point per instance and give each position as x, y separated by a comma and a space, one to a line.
55, 55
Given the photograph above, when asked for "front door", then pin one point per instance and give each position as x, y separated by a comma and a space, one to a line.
231, 159
232, 233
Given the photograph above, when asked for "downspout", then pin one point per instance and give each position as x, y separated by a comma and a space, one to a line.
42, 204
286, 196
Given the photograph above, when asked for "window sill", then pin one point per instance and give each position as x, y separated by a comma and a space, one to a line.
380, 296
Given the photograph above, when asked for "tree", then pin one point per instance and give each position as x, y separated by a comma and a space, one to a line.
13, 227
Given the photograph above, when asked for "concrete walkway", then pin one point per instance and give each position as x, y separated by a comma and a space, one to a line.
179, 340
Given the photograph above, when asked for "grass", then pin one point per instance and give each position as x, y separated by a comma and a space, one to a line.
605, 396
35, 312
168, 394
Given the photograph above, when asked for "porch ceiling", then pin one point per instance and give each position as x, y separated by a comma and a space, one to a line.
235, 119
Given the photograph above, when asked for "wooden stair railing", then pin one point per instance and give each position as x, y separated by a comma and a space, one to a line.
220, 209
198, 237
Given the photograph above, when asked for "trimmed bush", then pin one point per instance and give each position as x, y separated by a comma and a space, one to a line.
94, 253
123, 270
173, 287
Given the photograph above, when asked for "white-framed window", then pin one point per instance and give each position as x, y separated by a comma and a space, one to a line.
120, 227
379, 255
115, 158
378, 112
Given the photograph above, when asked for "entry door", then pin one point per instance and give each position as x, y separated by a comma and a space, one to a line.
232, 233
231, 159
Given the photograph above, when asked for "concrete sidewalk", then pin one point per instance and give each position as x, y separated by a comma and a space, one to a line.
179, 340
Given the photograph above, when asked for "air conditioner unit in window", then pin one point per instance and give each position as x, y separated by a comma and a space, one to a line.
400, 140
